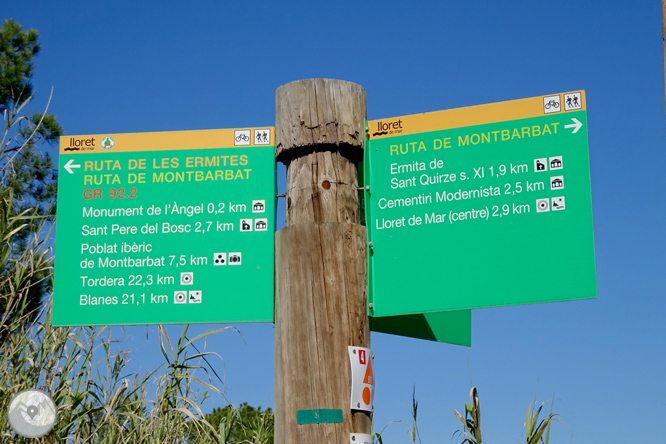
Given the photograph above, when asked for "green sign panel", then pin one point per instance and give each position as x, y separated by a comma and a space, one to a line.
451, 327
174, 227
480, 207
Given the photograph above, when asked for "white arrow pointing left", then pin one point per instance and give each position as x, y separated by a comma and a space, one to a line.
69, 165
576, 125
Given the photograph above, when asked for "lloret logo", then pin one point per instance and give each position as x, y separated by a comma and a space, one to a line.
76, 144
108, 142
384, 128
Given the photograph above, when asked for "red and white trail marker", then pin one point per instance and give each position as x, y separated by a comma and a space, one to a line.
363, 378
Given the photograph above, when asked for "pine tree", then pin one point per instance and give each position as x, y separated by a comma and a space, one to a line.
28, 179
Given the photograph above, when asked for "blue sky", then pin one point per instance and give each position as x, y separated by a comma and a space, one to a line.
163, 66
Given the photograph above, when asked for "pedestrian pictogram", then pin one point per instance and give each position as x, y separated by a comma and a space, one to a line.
572, 101
262, 137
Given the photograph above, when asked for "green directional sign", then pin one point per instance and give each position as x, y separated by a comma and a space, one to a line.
480, 207
451, 327
173, 227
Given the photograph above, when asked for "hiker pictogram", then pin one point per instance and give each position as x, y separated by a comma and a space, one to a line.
572, 101
262, 137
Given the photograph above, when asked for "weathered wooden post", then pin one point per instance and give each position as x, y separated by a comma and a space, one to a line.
321, 262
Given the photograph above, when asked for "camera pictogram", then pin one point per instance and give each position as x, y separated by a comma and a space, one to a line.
235, 258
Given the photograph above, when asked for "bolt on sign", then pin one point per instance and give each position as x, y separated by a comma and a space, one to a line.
480, 207
169, 227
363, 378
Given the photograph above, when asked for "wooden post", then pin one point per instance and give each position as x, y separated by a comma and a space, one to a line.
320, 256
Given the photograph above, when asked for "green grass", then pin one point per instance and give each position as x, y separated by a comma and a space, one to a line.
85, 369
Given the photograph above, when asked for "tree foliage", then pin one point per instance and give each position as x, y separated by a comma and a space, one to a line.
27, 172
245, 424
28, 178
17, 51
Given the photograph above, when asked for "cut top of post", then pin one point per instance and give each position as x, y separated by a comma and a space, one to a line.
319, 114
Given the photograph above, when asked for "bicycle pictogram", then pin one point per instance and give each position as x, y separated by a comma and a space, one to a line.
551, 104
242, 137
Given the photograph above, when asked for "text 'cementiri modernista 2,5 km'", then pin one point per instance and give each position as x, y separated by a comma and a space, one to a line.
482, 206
172, 227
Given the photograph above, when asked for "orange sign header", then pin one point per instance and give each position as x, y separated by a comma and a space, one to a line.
477, 115
170, 140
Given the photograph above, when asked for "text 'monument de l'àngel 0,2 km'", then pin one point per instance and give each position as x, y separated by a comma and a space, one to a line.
172, 227
479, 207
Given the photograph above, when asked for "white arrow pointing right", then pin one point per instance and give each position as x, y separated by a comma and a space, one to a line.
576, 125
69, 165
